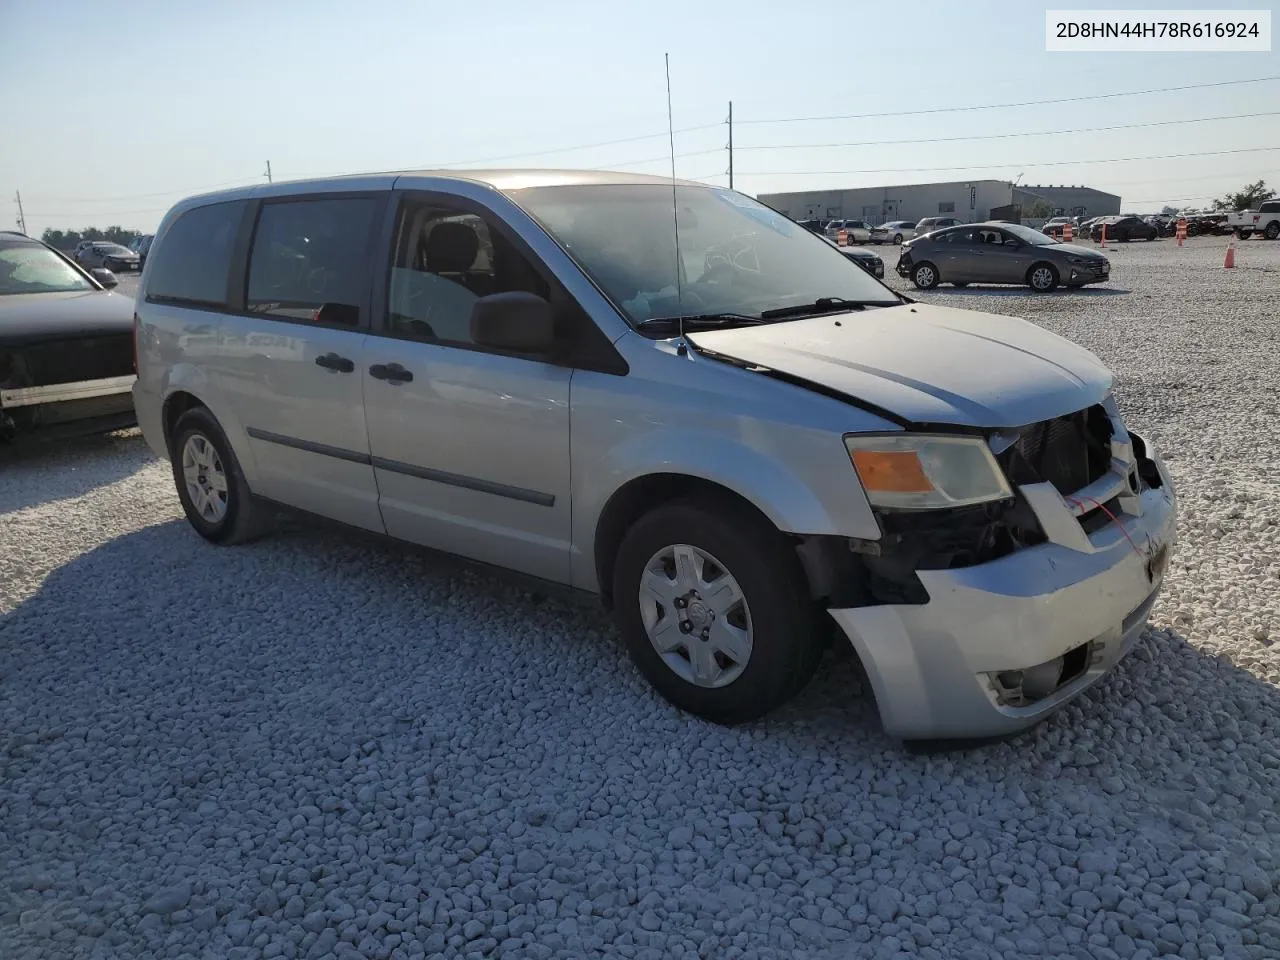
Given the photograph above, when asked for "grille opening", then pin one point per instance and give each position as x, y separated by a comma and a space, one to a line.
1097, 518
1069, 452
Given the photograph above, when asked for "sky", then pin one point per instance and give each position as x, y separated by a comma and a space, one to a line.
110, 113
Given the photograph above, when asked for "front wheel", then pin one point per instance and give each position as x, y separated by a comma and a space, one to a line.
1042, 278
211, 486
1243, 234
714, 609
924, 275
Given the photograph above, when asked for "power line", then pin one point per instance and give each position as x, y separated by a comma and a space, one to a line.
1006, 164
1021, 103
1007, 136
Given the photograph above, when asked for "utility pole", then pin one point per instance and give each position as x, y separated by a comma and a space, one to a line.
268, 173
730, 144
22, 220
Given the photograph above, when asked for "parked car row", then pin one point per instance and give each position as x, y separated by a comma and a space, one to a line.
726, 459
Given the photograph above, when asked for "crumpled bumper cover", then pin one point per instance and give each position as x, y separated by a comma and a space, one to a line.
931, 665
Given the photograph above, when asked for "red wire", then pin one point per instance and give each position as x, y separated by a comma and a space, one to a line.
1114, 519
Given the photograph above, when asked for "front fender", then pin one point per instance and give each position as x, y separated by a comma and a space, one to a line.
192, 379
801, 480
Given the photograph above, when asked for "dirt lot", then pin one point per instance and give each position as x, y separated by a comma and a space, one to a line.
313, 746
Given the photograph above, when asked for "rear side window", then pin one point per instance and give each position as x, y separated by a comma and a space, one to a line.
309, 259
193, 259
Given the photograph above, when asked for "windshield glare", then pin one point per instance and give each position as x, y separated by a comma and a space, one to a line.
737, 256
1027, 235
29, 268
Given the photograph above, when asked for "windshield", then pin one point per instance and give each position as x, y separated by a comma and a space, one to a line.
737, 256
110, 248
31, 268
1027, 235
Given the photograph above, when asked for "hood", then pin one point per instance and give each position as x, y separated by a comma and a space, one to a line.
927, 364
1072, 250
38, 317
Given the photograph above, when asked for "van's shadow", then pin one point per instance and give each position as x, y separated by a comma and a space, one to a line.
35, 471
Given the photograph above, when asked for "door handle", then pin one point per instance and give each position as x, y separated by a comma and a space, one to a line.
390, 372
331, 361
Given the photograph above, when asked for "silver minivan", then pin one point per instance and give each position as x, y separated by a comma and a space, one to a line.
676, 399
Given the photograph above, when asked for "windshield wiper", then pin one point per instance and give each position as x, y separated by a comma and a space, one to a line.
700, 320
820, 306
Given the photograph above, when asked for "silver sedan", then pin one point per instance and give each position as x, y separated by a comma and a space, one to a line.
999, 253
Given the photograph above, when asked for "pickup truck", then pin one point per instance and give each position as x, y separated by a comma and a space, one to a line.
1265, 220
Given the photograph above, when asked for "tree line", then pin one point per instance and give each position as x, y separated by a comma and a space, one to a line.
67, 239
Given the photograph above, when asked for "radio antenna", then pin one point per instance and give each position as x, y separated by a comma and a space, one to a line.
675, 215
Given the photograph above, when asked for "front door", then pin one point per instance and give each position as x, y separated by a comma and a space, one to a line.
470, 447
289, 365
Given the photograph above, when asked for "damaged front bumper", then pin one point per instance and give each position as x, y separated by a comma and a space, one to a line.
1000, 645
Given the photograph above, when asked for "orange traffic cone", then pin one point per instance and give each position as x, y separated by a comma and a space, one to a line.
1230, 262
1066, 233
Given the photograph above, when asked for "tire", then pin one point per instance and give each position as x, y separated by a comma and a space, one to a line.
897, 239
1243, 234
1042, 277
1273, 230
198, 441
784, 644
925, 275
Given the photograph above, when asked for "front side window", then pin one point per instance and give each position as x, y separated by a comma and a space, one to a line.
27, 267
445, 260
309, 259
193, 259
735, 255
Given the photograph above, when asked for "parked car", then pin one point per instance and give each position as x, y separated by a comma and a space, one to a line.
813, 226
868, 260
930, 224
856, 231
1054, 227
140, 246
1124, 229
895, 231
66, 344
999, 253
112, 256
725, 456
1265, 220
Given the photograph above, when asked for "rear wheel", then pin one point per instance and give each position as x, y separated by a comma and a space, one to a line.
1273, 230
714, 609
211, 485
1042, 277
924, 275
897, 238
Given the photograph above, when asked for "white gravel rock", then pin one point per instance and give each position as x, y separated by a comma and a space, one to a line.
315, 746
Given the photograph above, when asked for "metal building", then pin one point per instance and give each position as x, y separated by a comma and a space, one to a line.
970, 201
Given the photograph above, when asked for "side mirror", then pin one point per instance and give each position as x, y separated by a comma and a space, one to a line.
517, 321
105, 277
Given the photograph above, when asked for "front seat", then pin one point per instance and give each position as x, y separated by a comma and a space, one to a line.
449, 250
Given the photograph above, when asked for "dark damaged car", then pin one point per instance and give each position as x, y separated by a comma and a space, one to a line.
66, 344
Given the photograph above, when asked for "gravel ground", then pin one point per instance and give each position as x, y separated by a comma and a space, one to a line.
320, 746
